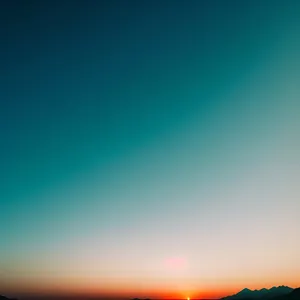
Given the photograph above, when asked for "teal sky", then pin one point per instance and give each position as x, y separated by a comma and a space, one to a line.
149, 147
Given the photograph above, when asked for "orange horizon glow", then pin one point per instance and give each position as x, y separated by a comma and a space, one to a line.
208, 292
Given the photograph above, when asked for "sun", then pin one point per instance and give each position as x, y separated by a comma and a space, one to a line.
188, 298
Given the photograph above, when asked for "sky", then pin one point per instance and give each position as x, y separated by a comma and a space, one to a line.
149, 148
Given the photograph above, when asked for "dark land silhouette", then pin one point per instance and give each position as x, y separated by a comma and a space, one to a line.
294, 295
276, 293
5, 298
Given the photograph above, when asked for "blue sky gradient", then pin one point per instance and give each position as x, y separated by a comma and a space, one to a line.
135, 132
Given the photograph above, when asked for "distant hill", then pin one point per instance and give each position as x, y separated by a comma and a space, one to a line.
5, 298
261, 294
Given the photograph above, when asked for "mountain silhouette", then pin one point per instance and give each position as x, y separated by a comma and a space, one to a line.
294, 295
261, 294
